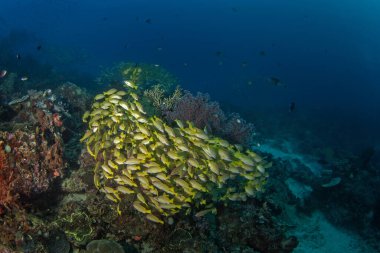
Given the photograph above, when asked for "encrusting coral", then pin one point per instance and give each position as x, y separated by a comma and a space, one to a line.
163, 169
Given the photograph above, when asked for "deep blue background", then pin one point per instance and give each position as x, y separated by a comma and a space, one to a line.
326, 52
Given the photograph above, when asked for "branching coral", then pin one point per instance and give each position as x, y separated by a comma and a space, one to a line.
161, 101
161, 169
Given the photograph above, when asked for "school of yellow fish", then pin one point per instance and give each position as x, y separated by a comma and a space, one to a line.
162, 169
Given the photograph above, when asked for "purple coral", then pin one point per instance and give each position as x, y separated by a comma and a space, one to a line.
197, 109
205, 113
237, 130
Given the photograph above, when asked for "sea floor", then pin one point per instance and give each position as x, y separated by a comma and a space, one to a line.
314, 231
317, 235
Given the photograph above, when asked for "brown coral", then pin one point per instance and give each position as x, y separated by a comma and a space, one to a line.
34, 155
6, 182
3, 158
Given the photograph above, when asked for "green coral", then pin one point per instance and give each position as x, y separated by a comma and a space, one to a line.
101, 246
143, 74
77, 227
162, 169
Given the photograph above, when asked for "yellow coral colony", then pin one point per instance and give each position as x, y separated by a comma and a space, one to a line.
163, 169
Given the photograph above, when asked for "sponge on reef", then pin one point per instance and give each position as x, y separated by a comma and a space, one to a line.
164, 169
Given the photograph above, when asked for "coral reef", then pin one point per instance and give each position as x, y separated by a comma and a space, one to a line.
22, 232
350, 203
161, 169
252, 225
31, 149
75, 100
184, 177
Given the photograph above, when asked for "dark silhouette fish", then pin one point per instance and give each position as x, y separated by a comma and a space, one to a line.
262, 53
275, 81
218, 53
292, 106
39, 47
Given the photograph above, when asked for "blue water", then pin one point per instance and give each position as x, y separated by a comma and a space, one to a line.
325, 52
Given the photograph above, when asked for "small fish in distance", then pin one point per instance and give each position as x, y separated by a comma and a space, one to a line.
275, 81
292, 106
